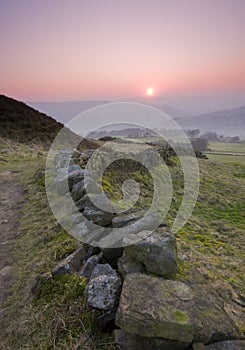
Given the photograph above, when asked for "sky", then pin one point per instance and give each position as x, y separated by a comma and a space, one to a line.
101, 49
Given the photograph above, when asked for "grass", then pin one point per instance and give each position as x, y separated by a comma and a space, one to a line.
227, 147
225, 152
230, 159
55, 314
45, 312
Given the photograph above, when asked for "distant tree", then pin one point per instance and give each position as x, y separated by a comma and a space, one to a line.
199, 144
193, 133
235, 139
210, 136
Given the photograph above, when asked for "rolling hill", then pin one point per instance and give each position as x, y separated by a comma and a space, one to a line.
228, 122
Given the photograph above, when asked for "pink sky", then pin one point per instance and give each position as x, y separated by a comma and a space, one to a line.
73, 50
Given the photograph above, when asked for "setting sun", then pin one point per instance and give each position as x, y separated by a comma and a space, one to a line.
149, 91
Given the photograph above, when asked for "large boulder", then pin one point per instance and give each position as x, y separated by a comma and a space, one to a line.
157, 252
152, 307
103, 289
227, 345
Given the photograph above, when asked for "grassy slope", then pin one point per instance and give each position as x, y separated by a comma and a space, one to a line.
54, 316
210, 247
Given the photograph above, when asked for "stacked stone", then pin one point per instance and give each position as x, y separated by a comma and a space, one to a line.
136, 288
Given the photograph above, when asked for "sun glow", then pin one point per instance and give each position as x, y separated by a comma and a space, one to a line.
150, 91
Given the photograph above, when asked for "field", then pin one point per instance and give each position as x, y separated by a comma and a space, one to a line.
46, 313
233, 153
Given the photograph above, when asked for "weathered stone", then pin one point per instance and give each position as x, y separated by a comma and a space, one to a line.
70, 264
103, 269
123, 220
78, 190
81, 203
212, 322
104, 288
87, 232
128, 265
5, 271
68, 180
198, 346
157, 252
89, 266
156, 308
91, 186
227, 345
97, 216
152, 307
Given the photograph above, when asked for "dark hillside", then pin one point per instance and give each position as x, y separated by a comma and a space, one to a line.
24, 124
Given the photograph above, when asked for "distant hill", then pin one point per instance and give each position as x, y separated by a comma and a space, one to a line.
229, 122
64, 111
21, 123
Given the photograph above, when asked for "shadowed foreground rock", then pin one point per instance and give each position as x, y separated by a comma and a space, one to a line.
152, 307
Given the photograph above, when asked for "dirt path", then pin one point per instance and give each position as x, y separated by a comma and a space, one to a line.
11, 201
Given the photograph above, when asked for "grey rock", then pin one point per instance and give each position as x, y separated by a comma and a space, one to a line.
87, 232
103, 292
123, 220
97, 216
70, 264
5, 271
68, 180
91, 186
89, 266
81, 203
103, 289
152, 307
156, 252
128, 265
227, 345
103, 269
78, 191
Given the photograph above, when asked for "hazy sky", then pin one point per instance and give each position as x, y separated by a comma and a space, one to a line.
87, 49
